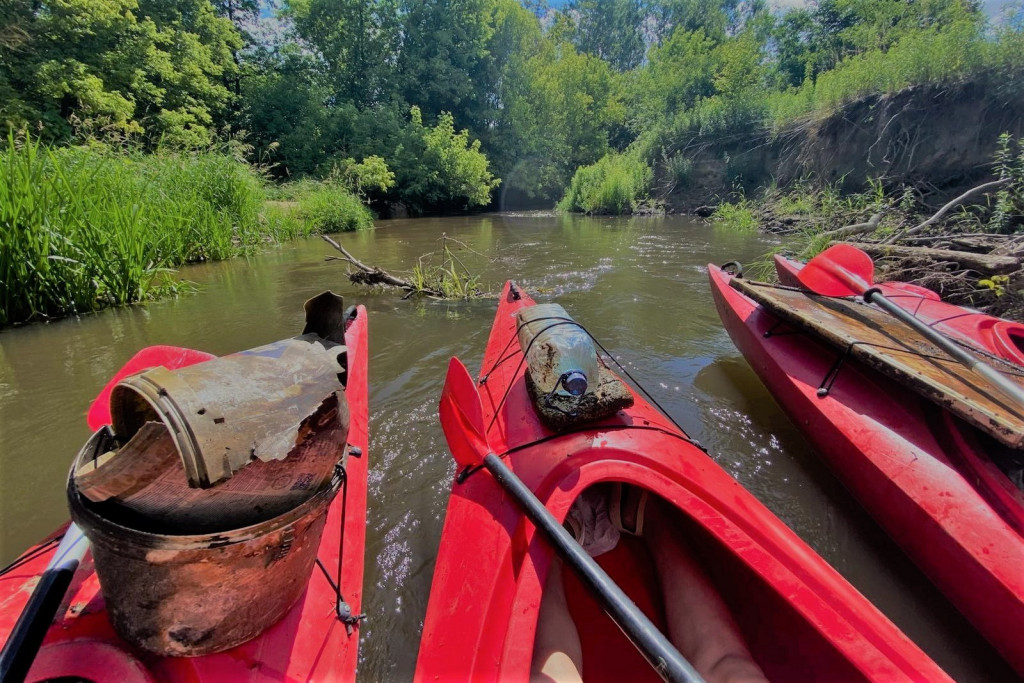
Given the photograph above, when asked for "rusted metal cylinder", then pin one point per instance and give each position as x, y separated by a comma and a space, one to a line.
189, 595
224, 413
227, 412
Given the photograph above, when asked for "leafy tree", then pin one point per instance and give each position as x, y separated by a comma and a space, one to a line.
444, 56
285, 108
793, 39
565, 117
679, 73
717, 19
355, 41
371, 174
515, 39
609, 29
438, 168
152, 67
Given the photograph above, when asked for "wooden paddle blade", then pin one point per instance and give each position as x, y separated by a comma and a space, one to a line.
840, 270
462, 416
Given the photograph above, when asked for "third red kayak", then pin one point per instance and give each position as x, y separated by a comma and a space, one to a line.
1003, 338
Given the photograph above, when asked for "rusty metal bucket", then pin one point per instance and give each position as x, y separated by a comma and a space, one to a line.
206, 503
189, 595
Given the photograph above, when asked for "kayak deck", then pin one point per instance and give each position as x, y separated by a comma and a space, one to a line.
800, 619
1002, 338
901, 458
309, 642
864, 333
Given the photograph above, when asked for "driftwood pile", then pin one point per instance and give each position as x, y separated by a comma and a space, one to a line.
979, 269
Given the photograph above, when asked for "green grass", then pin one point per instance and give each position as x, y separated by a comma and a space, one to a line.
449, 280
740, 216
328, 207
613, 185
940, 56
83, 228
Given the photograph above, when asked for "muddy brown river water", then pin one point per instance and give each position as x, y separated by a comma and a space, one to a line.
639, 285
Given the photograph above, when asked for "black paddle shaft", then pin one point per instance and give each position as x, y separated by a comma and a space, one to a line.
654, 646
27, 635
1000, 382
22, 645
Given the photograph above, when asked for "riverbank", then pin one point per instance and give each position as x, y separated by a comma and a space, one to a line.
969, 248
90, 227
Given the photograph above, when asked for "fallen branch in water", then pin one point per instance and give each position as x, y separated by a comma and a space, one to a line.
367, 275
856, 229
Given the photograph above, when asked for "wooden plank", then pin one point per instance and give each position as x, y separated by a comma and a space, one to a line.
880, 341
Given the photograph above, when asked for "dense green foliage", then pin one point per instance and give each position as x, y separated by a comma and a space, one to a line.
153, 68
451, 95
613, 185
86, 227
329, 207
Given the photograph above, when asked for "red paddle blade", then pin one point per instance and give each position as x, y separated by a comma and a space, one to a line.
840, 270
462, 416
170, 357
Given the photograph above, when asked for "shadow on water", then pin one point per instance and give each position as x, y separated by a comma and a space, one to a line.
639, 285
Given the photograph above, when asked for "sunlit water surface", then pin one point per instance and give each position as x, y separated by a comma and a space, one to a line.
639, 285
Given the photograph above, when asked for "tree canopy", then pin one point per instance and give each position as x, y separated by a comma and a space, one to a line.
451, 95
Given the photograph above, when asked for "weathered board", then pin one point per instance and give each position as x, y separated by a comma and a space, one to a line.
882, 342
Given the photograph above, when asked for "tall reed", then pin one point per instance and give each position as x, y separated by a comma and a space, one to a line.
86, 227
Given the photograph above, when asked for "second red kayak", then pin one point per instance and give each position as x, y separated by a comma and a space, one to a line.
800, 619
922, 474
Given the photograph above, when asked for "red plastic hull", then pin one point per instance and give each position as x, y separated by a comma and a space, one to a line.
1003, 338
308, 643
904, 459
801, 619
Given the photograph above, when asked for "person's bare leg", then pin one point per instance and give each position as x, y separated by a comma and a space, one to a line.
557, 653
699, 623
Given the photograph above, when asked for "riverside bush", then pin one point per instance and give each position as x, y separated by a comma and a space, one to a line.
329, 207
613, 185
82, 228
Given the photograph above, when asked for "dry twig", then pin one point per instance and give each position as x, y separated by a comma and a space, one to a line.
367, 275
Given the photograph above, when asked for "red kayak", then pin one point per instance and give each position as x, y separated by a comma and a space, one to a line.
924, 475
1003, 338
801, 620
309, 642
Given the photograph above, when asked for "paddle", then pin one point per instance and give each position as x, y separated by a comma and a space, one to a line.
21, 647
845, 270
463, 424
27, 635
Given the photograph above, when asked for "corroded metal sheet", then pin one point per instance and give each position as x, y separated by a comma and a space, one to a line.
882, 342
245, 407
